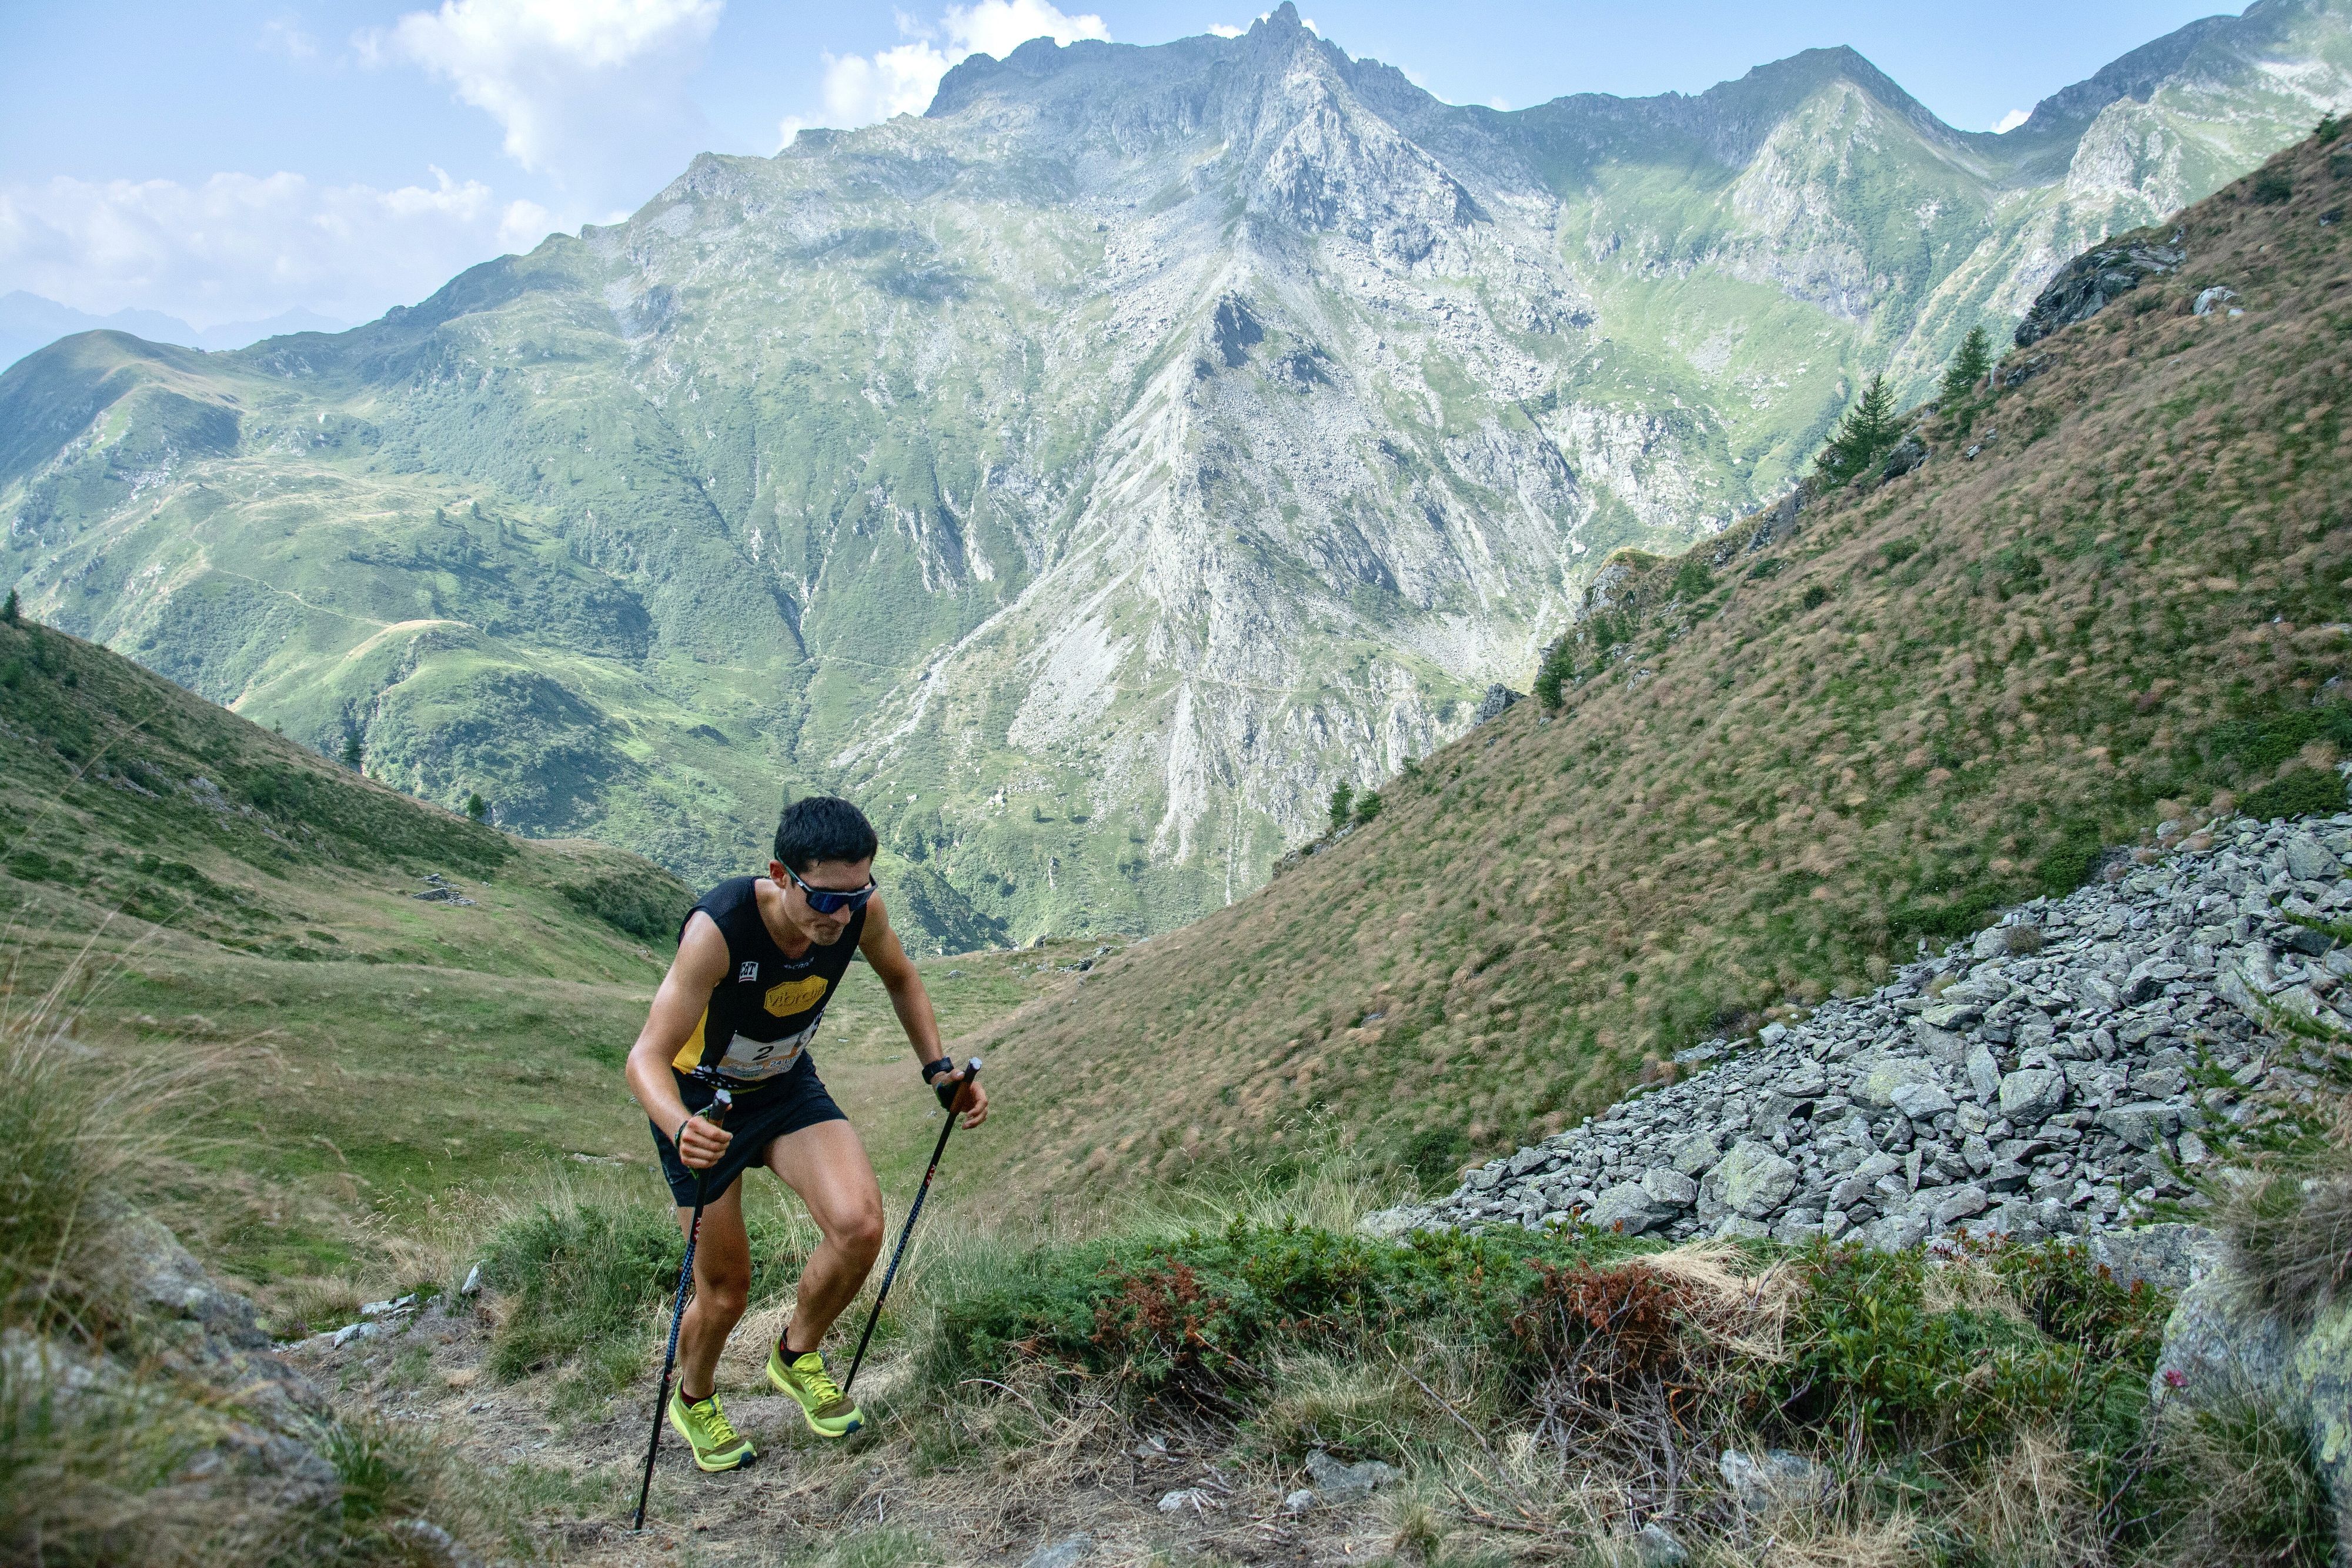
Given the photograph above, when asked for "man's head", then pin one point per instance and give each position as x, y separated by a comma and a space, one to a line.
825, 848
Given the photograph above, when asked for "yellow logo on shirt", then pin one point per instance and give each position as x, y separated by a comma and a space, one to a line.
795, 996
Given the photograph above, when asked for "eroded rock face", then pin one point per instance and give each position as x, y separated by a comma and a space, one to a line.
2034, 1080
2091, 281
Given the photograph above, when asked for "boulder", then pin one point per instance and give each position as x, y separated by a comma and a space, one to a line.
1696, 1154
2170, 1257
1630, 1208
1921, 1102
1877, 1086
2308, 860
2085, 285
1754, 1180
2032, 1096
1669, 1186
2143, 1124
1498, 701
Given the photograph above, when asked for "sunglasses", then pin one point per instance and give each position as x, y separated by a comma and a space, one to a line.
825, 900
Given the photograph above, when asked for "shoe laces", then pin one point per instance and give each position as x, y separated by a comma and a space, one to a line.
820, 1383
719, 1431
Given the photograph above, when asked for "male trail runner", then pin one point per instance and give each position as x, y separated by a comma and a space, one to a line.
757, 960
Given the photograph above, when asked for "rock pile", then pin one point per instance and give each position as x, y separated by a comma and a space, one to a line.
2057, 1075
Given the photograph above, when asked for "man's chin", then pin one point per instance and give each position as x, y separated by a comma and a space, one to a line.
828, 937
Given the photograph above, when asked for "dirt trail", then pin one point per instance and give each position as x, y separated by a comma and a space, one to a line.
1098, 1476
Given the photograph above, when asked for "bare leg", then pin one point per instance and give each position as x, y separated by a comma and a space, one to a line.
826, 1164
723, 1287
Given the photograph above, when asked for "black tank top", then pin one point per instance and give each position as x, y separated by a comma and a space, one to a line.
762, 1016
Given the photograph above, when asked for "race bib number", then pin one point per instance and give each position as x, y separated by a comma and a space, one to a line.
758, 1059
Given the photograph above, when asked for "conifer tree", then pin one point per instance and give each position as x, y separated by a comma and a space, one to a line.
1343, 806
1966, 370
1867, 431
9, 609
476, 808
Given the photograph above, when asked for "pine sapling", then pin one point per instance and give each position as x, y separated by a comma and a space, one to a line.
1343, 806
1966, 374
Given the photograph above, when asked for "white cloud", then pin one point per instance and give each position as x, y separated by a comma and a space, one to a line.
592, 92
238, 246
2010, 121
860, 89
1226, 30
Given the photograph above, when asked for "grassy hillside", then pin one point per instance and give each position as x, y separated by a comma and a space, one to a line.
1774, 771
175, 879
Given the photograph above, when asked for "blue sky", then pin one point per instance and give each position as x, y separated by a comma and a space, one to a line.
231, 161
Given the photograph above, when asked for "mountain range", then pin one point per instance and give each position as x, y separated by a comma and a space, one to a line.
1088, 474
28, 322
2088, 617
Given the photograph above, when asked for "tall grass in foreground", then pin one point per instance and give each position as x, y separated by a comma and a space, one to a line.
111, 1451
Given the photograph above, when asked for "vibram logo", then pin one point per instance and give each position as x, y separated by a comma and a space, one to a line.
795, 996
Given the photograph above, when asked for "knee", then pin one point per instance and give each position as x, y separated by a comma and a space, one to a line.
724, 1294
860, 1234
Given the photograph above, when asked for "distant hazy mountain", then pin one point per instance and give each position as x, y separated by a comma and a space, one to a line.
28, 322
1088, 474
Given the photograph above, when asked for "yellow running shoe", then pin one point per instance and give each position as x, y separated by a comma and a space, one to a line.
805, 1379
717, 1445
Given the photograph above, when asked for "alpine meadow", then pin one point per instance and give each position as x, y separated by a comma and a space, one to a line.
1641, 807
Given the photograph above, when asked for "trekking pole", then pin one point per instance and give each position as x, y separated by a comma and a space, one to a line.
904, 1232
717, 1111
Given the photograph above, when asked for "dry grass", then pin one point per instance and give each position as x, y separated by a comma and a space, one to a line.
2032, 1508
2149, 551
2290, 1238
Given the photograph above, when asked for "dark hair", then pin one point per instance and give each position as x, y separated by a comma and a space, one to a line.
824, 828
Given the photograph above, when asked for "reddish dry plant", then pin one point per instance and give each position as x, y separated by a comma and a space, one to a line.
1163, 1314
1613, 1325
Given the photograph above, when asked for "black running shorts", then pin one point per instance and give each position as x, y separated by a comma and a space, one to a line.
796, 1099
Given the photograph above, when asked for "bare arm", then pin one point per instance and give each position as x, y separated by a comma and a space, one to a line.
913, 1005
678, 1006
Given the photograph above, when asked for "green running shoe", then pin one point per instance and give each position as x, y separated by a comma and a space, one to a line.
805, 1379
717, 1445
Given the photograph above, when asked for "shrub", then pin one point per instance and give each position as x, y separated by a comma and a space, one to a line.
1435, 1156
1199, 1311
1692, 579
2271, 186
2328, 129
2298, 792
1367, 806
587, 1279
1872, 1361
